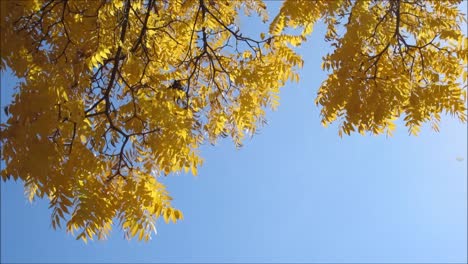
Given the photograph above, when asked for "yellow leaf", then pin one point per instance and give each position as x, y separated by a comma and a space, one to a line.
193, 168
134, 229
86, 120
142, 232
166, 215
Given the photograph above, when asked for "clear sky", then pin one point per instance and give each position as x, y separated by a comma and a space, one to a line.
296, 192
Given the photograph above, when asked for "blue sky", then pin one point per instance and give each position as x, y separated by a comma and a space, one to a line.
296, 192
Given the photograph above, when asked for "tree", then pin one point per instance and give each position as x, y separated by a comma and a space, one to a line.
113, 94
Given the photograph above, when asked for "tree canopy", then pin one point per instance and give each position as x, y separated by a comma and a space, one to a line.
114, 94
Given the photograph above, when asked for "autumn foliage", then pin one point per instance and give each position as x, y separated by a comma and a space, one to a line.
113, 94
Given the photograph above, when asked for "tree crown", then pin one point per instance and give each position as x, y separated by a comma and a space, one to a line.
115, 93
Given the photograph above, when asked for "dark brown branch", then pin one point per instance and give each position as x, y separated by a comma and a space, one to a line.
144, 27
